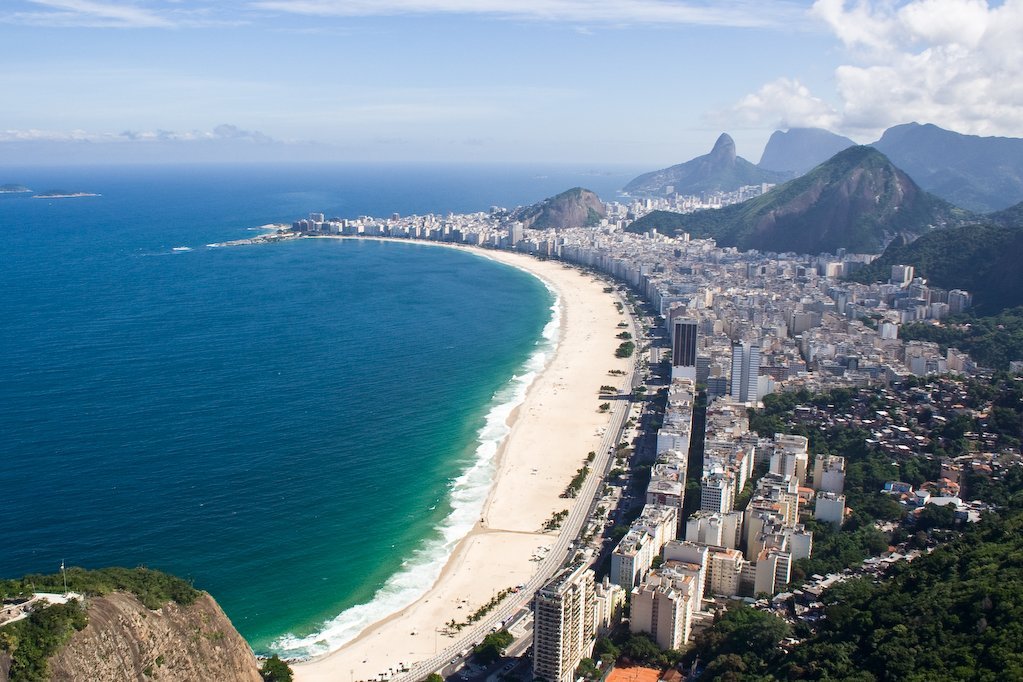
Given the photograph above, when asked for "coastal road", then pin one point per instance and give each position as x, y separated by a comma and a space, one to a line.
561, 551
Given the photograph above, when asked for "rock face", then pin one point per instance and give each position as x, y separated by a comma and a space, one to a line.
857, 200
719, 171
126, 641
800, 149
978, 173
576, 207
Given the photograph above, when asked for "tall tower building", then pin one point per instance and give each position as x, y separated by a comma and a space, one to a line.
683, 349
745, 372
563, 628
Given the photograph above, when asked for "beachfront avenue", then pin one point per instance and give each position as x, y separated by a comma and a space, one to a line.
563, 551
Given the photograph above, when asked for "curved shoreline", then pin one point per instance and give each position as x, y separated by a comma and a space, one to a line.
550, 433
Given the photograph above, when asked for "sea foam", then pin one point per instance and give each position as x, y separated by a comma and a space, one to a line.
468, 494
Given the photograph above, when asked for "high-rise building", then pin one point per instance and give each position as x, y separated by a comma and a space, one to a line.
683, 349
662, 605
515, 234
564, 623
745, 372
902, 275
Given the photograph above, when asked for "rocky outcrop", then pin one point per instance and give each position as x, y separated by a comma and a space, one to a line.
124, 640
576, 207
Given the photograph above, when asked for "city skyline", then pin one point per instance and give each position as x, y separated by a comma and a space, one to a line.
649, 82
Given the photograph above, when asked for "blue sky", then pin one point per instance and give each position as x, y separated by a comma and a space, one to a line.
605, 81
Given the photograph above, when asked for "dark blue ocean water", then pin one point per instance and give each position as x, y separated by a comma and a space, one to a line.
303, 429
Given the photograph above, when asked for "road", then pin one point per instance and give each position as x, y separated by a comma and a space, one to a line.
555, 559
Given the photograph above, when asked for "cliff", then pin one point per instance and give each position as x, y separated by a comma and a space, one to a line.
136, 624
124, 640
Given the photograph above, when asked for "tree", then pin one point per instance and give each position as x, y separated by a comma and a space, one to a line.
493, 645
275, 670
639, 648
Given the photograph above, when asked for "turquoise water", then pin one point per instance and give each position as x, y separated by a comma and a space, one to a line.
303, 429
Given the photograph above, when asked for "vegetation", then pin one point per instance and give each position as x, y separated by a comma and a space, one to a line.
32, 641
576, 484
851, 201
742, 644
555, 521
481, 611
624, 335
492, 647
978, 258
275, 670
604, 407
641, 649
434, 677
605, 388
991, 341
153, 588
625, 349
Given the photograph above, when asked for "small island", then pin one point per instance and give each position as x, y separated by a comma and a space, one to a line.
63, 194
13, 189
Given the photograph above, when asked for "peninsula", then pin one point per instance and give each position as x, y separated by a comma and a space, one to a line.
13, 189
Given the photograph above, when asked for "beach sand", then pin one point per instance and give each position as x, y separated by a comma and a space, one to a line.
551, 433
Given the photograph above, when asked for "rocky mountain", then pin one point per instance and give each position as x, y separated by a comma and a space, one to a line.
719, 171
134, 625
857, 200
978, 173
797, 150
576, 207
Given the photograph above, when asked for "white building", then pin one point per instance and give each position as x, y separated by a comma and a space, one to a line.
564, 624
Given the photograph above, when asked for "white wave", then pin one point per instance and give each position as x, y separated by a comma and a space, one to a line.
181, 248
468, 494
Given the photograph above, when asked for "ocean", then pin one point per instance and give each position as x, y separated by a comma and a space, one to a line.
303, 429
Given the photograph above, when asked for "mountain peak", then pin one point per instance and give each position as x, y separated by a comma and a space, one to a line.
724, 148
719, 171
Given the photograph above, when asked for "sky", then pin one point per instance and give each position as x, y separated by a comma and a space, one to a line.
633, 82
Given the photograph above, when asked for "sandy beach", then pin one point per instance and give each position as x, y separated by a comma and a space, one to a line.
551, 434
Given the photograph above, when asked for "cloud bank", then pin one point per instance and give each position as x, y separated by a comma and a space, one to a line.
955, 63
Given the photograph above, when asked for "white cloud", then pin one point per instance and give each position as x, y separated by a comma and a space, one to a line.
740, 13
954, 63
784, 103
117, 14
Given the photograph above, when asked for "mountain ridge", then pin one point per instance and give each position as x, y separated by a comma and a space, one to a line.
857, 200
798, 150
